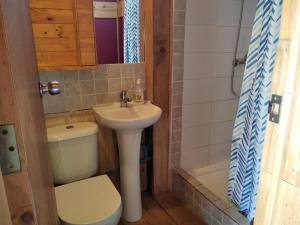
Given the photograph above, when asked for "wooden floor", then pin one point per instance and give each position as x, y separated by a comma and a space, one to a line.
166, 211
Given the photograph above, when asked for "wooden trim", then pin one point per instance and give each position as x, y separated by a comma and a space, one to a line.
103, 10
148, 35
162, 34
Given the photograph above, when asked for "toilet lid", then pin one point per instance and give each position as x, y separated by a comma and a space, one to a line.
87, 201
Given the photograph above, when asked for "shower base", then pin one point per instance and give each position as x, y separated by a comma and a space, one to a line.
205, 189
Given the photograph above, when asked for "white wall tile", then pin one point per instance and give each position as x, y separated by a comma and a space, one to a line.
194, 137
245, 38
197, 91
249, 13
223, 111
221, 132
200, 38
196, 114
194, 158
221, 89
219, 152
226, 39
198, 65
223, 64
202, 12
229, 12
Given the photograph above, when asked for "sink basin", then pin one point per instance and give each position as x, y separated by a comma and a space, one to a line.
132, 117
129, 124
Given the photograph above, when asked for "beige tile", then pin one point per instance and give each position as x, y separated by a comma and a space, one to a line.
177, 74
177, 100
178, 61
179, 17
175, 147
176, 124
175, 159
86, 74
114, 85
178, 32
217, 215
101, 86
127, 70
128, 84
228, 221
102, 98
176, 136
72, 103
72, 88
139, 69
88, 101
233, 213
178, 47
114, 97
222, 205
87, 87
101, 72
70, 75
113, 71
177, 87
176, 112
180, 4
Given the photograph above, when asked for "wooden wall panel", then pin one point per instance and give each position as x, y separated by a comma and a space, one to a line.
162, 34
53, 30
55, 44
5, 218
57, 59
64, 33
52, 4
52, 16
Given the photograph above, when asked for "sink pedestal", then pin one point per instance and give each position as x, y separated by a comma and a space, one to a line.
129, 142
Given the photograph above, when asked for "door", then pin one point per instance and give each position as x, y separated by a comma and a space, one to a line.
279, 191
29, 191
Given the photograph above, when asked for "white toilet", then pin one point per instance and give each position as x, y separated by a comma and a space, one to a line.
81, 199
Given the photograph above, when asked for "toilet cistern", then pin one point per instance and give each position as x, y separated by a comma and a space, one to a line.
129, 123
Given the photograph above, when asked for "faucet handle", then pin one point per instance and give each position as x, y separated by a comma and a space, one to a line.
123, 94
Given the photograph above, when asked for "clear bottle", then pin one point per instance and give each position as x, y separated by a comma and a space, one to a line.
139, 91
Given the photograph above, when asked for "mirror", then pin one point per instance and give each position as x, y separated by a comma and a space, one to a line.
119, 31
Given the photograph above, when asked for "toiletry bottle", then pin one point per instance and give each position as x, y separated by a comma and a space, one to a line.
139, 91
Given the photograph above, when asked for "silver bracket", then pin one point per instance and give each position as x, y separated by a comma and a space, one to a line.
9, 154
275, 108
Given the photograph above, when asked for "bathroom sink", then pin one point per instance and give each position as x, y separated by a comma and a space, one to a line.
131, 117
129, 123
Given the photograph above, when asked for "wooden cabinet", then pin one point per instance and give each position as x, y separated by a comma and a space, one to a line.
63, 33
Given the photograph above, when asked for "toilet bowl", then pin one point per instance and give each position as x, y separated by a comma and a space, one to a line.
93, 201
81, 199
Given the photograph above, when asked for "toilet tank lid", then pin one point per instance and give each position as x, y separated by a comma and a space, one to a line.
70, 131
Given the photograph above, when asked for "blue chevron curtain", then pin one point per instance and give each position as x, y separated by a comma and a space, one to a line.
132, 31
251, 119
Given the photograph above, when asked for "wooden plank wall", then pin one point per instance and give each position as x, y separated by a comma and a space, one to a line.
63, 32
162, 49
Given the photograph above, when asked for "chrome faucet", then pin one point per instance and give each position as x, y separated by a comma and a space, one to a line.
124, 99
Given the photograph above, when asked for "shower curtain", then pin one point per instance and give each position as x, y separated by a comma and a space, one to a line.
251, 119
132, 31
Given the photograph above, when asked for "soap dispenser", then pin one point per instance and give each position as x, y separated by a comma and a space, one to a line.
139, 91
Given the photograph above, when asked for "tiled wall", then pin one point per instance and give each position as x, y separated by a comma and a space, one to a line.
205, 33
83, 88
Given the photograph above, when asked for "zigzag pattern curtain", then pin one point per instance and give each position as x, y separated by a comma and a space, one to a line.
251, 119
132, 31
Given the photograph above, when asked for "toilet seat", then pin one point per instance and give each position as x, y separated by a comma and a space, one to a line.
93, 201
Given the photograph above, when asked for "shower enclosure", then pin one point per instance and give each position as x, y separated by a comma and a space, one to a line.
216, 39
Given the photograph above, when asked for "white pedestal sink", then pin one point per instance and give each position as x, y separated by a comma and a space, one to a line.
129, 123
